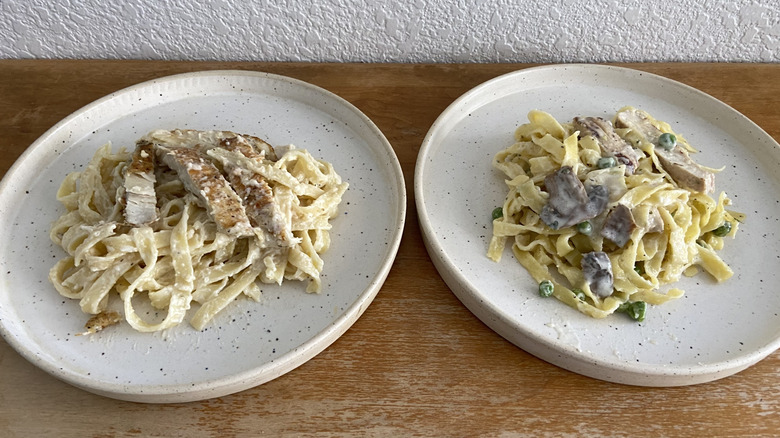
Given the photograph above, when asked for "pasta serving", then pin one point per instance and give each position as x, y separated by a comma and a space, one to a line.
604, 213
191, 217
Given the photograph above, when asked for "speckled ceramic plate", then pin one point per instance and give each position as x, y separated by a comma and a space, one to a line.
714, 331
250, 342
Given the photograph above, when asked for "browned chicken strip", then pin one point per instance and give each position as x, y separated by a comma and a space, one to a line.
676, 162
205, 181
261, 147
205, 140
611, 144
140, 196
100, 321
254, 190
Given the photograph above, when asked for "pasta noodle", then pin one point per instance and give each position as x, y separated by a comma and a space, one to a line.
161, 236
670, 228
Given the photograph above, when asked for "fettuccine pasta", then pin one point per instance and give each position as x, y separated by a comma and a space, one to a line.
606, 213
191, 219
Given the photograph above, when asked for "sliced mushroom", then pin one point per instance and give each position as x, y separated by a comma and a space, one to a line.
597, 270
569, 202
619, 225
612, 178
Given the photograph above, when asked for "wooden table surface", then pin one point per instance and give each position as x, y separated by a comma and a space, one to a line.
417, 362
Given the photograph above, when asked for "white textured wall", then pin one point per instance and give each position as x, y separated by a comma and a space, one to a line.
397, 31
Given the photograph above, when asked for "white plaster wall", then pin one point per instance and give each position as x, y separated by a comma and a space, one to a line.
395, 31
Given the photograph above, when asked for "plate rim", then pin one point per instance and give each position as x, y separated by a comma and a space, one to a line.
553, 350
266, 371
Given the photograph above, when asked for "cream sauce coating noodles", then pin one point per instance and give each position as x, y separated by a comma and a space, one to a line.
672, 230
182, 256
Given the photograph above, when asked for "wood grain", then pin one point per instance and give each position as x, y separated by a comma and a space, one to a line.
417, 363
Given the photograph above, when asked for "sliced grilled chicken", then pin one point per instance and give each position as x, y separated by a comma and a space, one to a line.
254, 190
205, 181
611, 144
205, 140
100, 321
241, 145
185, 137
261, 147
569, 202
283, 149
676, 162
684, 171
597, 270
140, 196
655, 223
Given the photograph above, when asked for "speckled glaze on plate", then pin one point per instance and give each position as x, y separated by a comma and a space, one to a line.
714, 331
249, 343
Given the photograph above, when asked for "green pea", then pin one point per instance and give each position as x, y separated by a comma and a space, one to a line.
546, 288
639, 268
636, 310
606, 162
579, 294
667, 141
585, 228
723, 230
497, 213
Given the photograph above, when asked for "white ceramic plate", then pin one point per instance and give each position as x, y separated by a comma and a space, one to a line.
713, 332
249, 343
